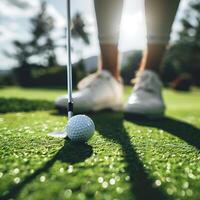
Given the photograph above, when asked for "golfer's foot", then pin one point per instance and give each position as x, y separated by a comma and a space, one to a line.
146, 98
96, 92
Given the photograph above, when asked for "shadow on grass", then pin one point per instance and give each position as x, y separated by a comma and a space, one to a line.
111, 127
183, 130
23, 105
69, 153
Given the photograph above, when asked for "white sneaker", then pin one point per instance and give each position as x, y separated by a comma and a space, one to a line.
146, 98
96, 92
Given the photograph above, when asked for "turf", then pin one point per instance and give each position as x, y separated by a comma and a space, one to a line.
135, 159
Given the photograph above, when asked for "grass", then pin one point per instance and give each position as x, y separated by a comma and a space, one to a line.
126, 159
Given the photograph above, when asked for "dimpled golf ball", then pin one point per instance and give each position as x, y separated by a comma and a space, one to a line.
80, 128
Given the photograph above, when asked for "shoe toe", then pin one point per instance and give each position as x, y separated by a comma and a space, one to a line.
61, 102
145, 107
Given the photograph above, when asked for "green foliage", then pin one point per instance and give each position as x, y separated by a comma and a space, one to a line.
16, 105
78, 29
39, 76
45, 72
6, 80
40, 44
48, 94
122, 160
183, 56
23, 75
48, 77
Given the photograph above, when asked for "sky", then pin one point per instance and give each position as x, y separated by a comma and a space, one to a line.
15, 15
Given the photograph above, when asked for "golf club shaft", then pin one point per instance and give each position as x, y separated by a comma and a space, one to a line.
69, 66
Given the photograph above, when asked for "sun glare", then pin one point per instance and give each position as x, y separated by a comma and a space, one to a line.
133, 31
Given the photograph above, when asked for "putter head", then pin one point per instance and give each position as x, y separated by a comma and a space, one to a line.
58, 134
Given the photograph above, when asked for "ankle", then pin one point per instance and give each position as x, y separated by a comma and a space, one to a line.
116, 76
109, 59
153, 58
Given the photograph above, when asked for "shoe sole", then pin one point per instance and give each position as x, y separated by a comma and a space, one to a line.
116, 108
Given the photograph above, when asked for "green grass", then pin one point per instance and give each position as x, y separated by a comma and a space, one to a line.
126, 159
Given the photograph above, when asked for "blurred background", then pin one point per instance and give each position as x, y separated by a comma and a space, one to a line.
32, 43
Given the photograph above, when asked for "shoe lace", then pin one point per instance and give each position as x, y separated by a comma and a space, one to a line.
147, 83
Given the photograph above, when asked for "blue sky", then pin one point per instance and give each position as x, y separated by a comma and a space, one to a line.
16, 13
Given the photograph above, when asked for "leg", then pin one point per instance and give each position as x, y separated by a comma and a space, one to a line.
147, 98
108, 14
102, 90
152, 57
109, 59
159, 19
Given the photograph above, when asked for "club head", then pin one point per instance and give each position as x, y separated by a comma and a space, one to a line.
58, 134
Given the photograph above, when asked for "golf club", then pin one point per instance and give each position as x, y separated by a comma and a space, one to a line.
80, 127
63, 134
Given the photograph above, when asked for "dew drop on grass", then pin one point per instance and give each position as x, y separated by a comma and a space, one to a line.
180, 164
42, 179
119, 190
168, 179
17, 180
161, 131
68, 193
127, 178
100, 179
112, 181
16, 171
105, 184
157, 183
61, 170
185, 185
110, 166
106, 157
70, 169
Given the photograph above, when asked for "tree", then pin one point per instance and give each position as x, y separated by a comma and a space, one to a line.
78, 29
41, 45
37, 55
80, 34
184, 56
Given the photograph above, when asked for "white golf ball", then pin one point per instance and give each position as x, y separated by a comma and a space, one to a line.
80, 128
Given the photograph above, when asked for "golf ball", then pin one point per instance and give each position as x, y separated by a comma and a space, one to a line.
80, 128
